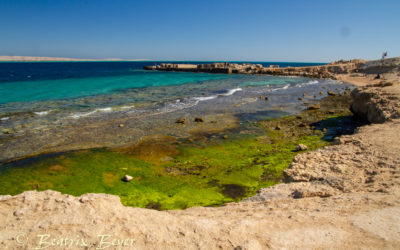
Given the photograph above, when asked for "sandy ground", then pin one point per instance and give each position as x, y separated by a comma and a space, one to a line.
361, 80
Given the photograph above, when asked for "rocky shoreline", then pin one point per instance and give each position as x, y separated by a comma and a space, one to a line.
322, 71
341, 196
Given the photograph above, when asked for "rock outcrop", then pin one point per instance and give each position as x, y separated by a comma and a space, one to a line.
356, 66
377, 103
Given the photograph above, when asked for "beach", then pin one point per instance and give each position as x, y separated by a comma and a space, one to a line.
343, 195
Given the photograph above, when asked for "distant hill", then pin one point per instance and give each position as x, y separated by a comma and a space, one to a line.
56, 59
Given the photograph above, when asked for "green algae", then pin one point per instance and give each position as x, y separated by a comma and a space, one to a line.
197, 176
172, 174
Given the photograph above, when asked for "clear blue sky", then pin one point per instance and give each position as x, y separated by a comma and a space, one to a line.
303, 30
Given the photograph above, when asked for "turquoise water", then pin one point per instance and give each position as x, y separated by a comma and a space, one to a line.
41, 81
35, 95
41, 90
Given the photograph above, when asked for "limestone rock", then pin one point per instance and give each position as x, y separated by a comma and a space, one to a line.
376, 104
301, 147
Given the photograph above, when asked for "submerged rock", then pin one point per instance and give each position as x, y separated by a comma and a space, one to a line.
314, 107
331, 93
7, 131
303, 124
181, 120
198, 119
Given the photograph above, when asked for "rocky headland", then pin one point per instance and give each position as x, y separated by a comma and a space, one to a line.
344, 196
355, 67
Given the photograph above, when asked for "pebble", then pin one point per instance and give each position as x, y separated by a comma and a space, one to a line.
301, 147
127, 178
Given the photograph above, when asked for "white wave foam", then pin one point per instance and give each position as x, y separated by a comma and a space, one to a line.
127, 107
228, 93
308, 83
205, 98
311, 82
108, 109
284, 87
79, 115
4, 118
41, 113
231, 92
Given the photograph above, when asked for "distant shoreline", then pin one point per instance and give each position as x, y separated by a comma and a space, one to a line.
60, 59
66, 59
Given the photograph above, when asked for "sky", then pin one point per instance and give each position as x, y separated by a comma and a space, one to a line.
223, 30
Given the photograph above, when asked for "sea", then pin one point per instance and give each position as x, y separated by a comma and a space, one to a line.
37, 94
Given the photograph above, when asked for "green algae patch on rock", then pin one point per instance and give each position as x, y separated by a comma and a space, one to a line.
172, 174
197, 174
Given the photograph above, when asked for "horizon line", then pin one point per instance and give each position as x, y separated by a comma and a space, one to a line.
5, 58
